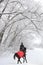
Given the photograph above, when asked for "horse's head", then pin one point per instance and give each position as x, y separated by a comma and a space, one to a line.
24, 50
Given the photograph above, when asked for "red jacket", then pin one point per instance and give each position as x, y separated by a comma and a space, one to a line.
20, 53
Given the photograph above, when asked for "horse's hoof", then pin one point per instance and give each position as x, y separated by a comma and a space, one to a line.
17, 63
26, 62
21, 63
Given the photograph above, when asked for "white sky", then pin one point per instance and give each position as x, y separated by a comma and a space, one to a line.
40, 1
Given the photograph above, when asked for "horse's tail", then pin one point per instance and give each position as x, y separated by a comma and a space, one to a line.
14, 55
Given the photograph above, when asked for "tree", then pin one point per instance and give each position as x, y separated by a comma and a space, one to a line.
17, 18
1, 1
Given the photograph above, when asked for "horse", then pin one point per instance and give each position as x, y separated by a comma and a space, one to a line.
19, 55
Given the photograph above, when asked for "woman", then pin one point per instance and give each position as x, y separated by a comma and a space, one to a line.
22, 47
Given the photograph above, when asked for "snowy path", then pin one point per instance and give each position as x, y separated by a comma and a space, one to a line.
34, 57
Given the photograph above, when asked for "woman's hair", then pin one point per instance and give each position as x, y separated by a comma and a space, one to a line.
22, 43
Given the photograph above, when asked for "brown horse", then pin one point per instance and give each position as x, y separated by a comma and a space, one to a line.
20, 54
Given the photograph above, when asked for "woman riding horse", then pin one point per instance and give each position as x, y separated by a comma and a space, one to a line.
21, 54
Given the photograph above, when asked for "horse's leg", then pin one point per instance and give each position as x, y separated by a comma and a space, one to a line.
19, 61
25, 59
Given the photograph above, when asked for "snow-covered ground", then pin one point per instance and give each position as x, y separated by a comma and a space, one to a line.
34, 57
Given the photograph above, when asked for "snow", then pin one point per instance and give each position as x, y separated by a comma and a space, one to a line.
34, 57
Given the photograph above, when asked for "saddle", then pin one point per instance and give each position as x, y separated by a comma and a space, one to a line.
20, 54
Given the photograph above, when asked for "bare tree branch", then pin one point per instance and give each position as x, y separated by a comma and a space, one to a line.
4, 8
